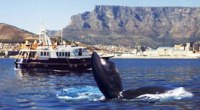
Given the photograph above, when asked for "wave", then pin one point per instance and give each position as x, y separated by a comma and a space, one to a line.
80, 92
175, 94
92, 93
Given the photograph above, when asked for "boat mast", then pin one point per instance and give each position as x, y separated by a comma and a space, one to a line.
61, 36
43, 37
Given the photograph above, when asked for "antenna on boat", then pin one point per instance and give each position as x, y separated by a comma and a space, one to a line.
61, 36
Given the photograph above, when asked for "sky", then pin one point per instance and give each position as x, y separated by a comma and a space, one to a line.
56, 14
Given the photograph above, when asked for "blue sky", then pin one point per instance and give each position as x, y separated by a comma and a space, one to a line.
55, 14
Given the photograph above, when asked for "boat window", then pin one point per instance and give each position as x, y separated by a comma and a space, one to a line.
44, 53
32, 54
47, 53
62, 54
41, 54
58, 53
67, 53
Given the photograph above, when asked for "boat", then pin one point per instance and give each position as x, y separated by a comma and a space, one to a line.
50, 56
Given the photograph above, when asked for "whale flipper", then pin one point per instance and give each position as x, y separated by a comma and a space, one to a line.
109, 82
106, 77
131, 94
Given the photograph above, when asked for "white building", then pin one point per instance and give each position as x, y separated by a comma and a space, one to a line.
167, 51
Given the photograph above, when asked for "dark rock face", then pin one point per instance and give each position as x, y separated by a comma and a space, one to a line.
120, 25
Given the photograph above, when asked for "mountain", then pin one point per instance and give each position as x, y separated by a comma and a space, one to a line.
9, 33
131, 26
53, 33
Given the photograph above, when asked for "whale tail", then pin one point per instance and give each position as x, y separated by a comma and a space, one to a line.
106, 76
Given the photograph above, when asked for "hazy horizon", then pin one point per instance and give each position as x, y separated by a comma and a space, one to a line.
29, 14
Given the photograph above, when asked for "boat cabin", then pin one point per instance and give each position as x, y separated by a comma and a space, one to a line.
46, 53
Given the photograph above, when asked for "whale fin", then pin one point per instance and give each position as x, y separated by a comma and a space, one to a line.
106, 76
130, 94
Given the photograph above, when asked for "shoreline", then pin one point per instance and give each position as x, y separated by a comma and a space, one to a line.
156, 57
132, 57
139, 57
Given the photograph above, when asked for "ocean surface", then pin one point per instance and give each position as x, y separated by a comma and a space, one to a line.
78, 91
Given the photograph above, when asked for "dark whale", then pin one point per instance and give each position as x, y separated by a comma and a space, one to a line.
109, 82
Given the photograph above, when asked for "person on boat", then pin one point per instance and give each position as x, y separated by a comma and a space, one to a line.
54, 46
35, 45
80, 52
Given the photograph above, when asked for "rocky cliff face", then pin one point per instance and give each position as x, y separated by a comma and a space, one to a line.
10, 33
131, 26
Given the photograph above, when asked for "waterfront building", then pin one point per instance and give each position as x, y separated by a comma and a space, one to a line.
168, 51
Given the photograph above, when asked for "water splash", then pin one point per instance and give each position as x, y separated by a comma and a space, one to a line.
175, 94
80, 92
93, 94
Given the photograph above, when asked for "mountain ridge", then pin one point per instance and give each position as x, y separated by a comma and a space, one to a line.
131, 26
10, 33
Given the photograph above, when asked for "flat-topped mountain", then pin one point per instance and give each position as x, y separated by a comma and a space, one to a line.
10, 33
121, 25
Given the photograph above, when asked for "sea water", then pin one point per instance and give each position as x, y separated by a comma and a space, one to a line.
78, 90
